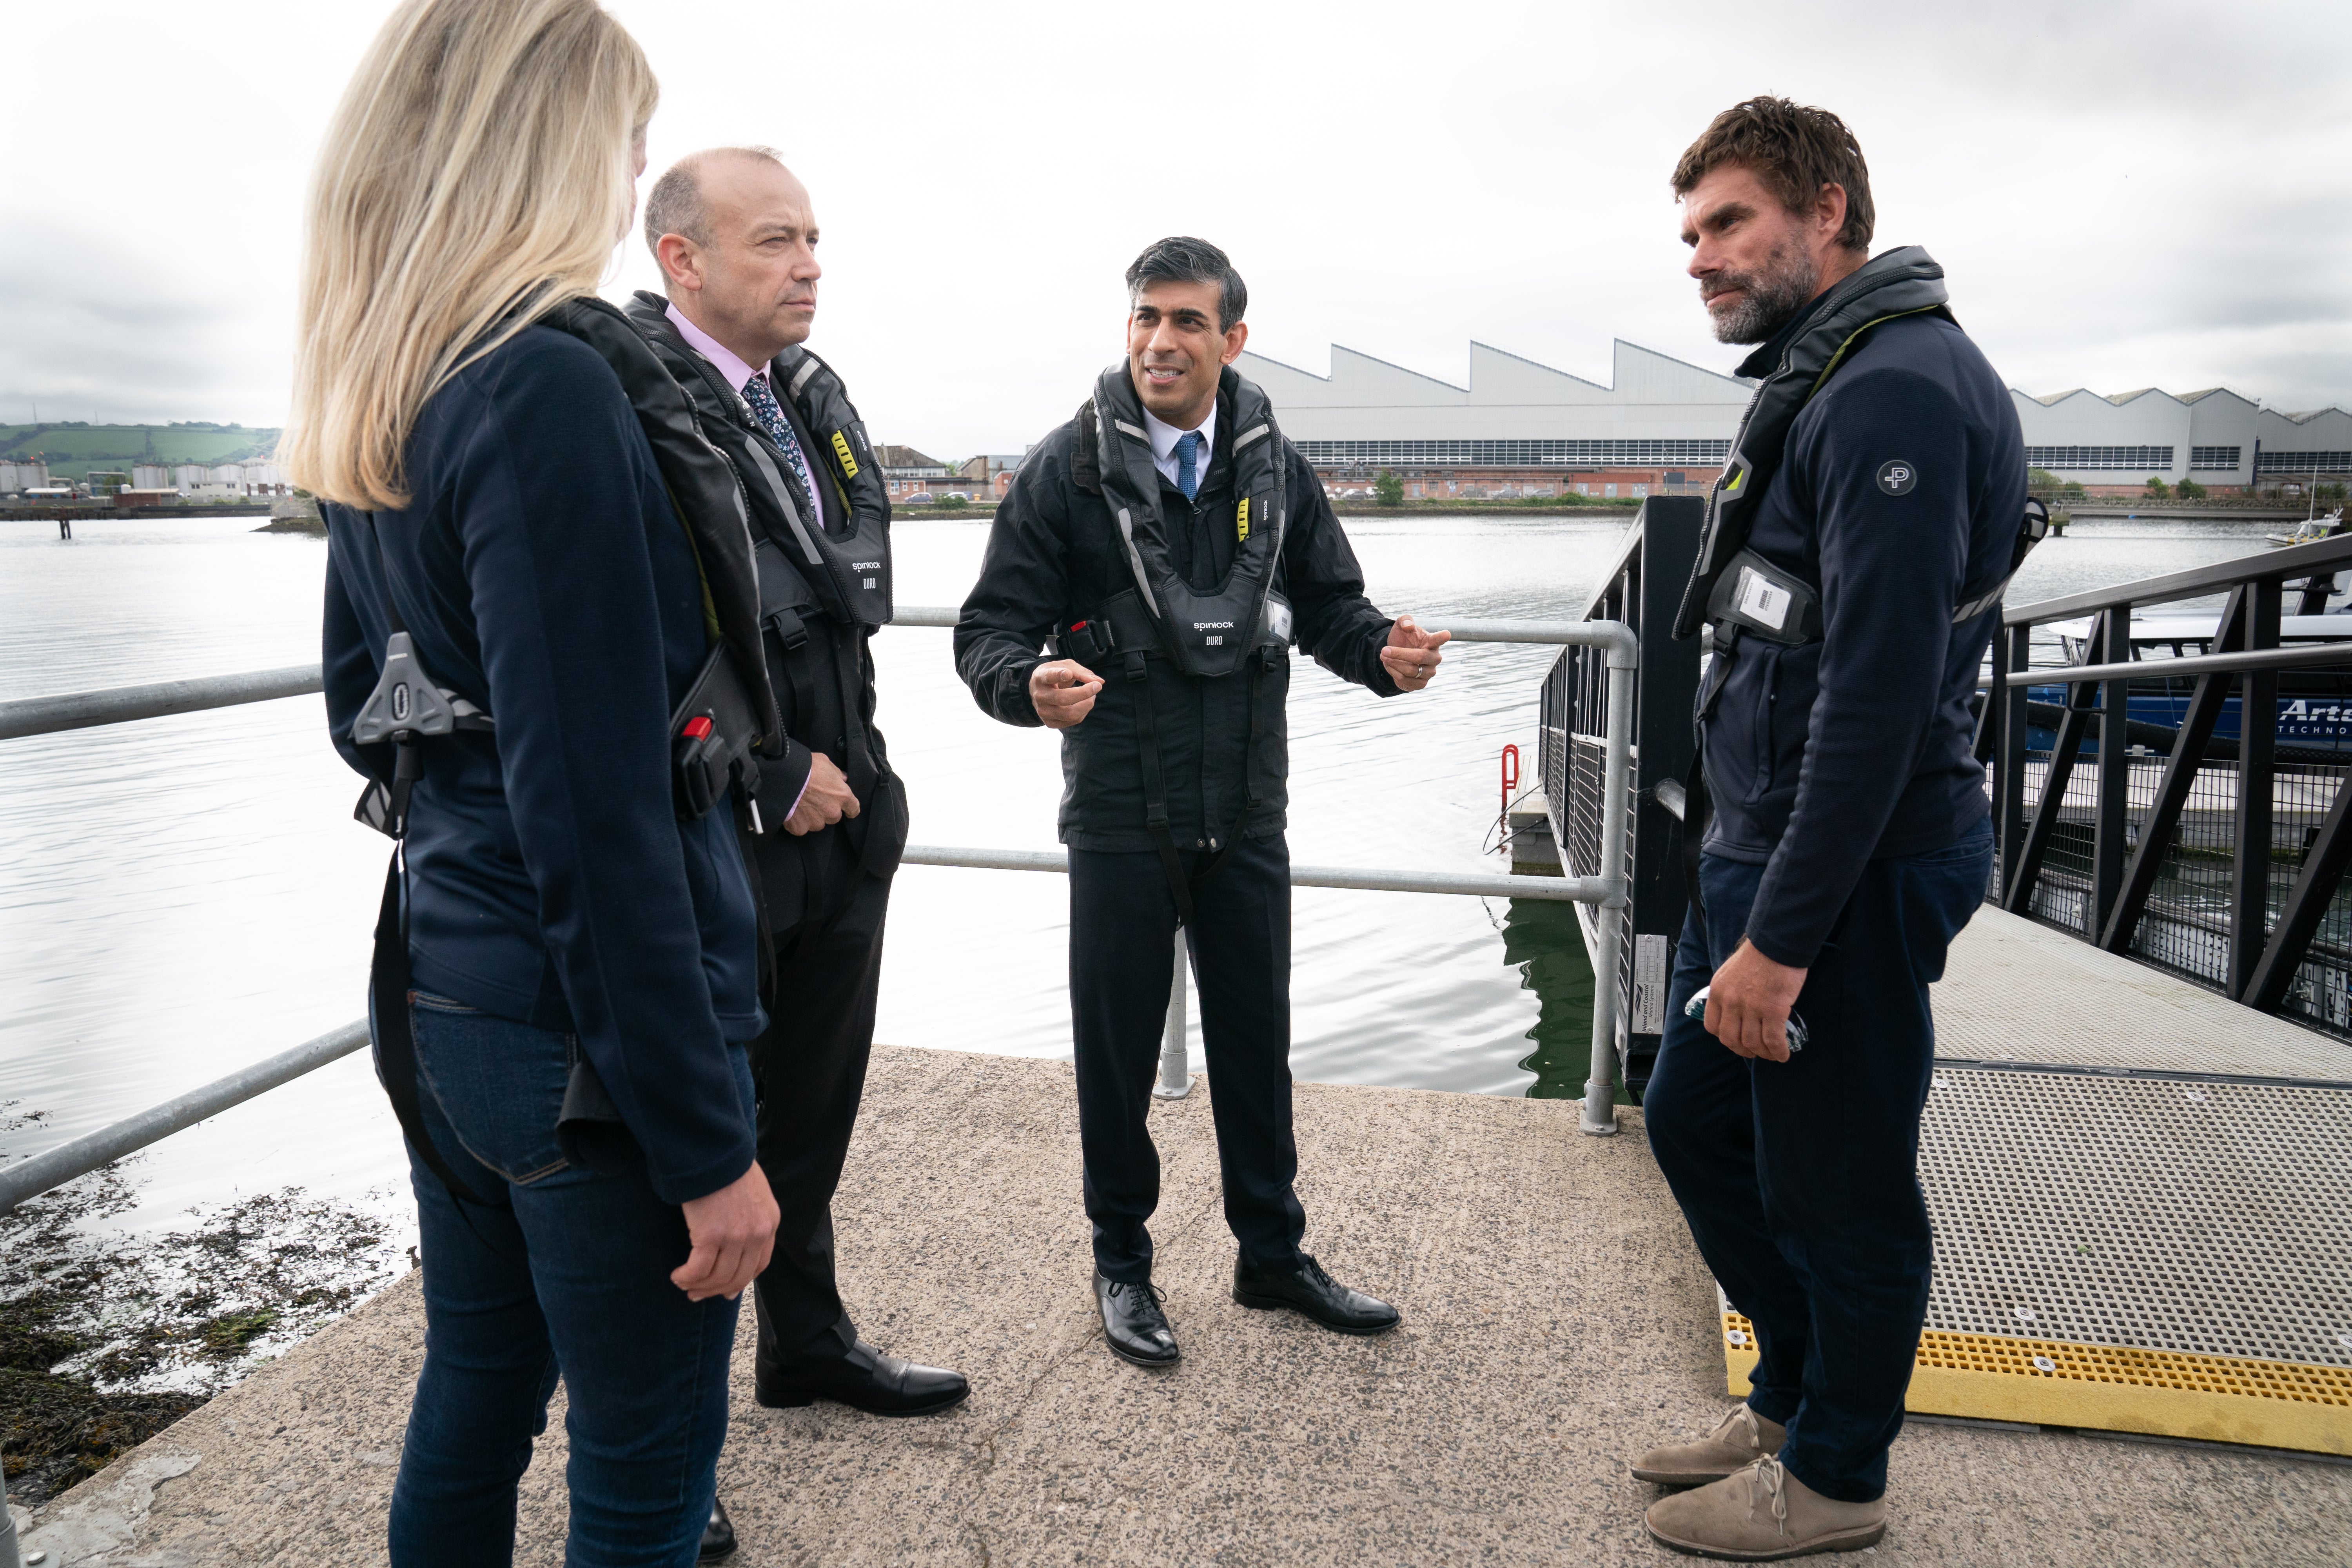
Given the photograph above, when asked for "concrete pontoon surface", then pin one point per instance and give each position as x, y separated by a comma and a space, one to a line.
1557, 1320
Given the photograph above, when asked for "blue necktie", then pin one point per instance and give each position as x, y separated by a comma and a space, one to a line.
762, 399
1188, 464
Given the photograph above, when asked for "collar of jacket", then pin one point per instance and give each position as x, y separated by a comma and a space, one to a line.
1903, 282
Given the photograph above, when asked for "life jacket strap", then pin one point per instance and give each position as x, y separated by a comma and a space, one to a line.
1155, 787
393, 1032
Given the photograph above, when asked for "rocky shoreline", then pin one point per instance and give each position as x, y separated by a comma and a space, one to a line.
107, 1336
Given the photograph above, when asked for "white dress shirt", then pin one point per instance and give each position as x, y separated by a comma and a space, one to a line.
1165, 435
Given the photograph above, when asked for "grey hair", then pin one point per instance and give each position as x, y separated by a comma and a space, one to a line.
676, 204
1179, 258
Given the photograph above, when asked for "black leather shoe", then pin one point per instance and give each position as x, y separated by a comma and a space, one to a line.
1133, 1325
717, 1536
1309, 1289
864, 1380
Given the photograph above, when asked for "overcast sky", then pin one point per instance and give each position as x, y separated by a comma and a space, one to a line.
2123, 195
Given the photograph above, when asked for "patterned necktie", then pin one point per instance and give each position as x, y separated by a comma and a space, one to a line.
1188, 464
771, 419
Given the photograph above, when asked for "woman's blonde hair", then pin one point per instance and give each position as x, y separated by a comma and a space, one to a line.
477, 174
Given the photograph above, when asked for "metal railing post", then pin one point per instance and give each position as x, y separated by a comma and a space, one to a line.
1175, 1073
8, 1557
1600, 1116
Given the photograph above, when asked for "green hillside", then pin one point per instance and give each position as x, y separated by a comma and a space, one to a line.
73, 448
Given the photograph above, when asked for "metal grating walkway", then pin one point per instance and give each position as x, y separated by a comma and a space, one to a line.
2163, 1253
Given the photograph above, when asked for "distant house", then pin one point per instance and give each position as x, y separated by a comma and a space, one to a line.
912, 475
993, 474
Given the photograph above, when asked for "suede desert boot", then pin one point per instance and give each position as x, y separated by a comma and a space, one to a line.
1739, 1441
1761, 1514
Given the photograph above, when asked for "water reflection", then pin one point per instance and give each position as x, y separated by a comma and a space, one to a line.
1539, 936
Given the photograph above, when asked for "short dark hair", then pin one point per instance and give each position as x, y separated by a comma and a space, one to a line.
1179, 258
1795, 150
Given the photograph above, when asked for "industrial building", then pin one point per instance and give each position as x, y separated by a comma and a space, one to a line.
1662, 426
1519, 426
2215, 436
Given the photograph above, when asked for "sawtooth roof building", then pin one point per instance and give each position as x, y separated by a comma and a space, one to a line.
1664, 424
2214, 437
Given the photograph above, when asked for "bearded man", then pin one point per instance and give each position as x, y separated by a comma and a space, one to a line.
1872, 510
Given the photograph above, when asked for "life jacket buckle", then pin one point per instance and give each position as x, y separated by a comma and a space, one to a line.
1088, 641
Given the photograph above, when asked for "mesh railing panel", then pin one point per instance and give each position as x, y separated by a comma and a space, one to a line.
2185, 928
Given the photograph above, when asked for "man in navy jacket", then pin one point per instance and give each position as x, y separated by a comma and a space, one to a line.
1850, 838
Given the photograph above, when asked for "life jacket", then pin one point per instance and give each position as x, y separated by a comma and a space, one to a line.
848, 574
1739, 592
728, 716
813, 584
1236, 628
1732, 586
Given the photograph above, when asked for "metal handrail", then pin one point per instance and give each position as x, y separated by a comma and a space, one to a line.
2192, 664
1477, 884
44, 715
121, 704
54, 1167
2327, 555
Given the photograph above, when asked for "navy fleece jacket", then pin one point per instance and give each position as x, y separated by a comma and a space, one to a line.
1899, 497
543, 576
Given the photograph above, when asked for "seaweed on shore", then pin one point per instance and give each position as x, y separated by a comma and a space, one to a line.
107, 1336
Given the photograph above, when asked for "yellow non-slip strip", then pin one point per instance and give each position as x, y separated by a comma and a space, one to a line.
2112, 1388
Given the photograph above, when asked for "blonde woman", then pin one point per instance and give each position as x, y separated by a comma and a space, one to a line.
493, 500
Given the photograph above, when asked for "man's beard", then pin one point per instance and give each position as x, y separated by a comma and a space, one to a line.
1769, 299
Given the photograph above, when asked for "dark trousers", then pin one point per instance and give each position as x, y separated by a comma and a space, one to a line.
1799, 1179
1122, 959
810, 1067
559, 1269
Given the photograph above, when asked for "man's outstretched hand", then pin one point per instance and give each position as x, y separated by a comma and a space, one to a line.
1063, 692
1412, 657
1748, 1004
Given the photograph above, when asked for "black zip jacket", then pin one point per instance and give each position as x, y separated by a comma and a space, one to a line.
1820, 759
1053, 557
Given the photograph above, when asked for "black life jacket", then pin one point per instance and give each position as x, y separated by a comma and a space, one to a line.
1732, 586
1208, 635
847, 575
821, 593
1244, 623
1740, 593
728, 715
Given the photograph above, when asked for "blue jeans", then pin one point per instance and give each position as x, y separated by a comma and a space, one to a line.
1799, 1179
562, 1270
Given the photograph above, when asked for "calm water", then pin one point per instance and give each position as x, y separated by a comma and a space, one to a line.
184, 896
